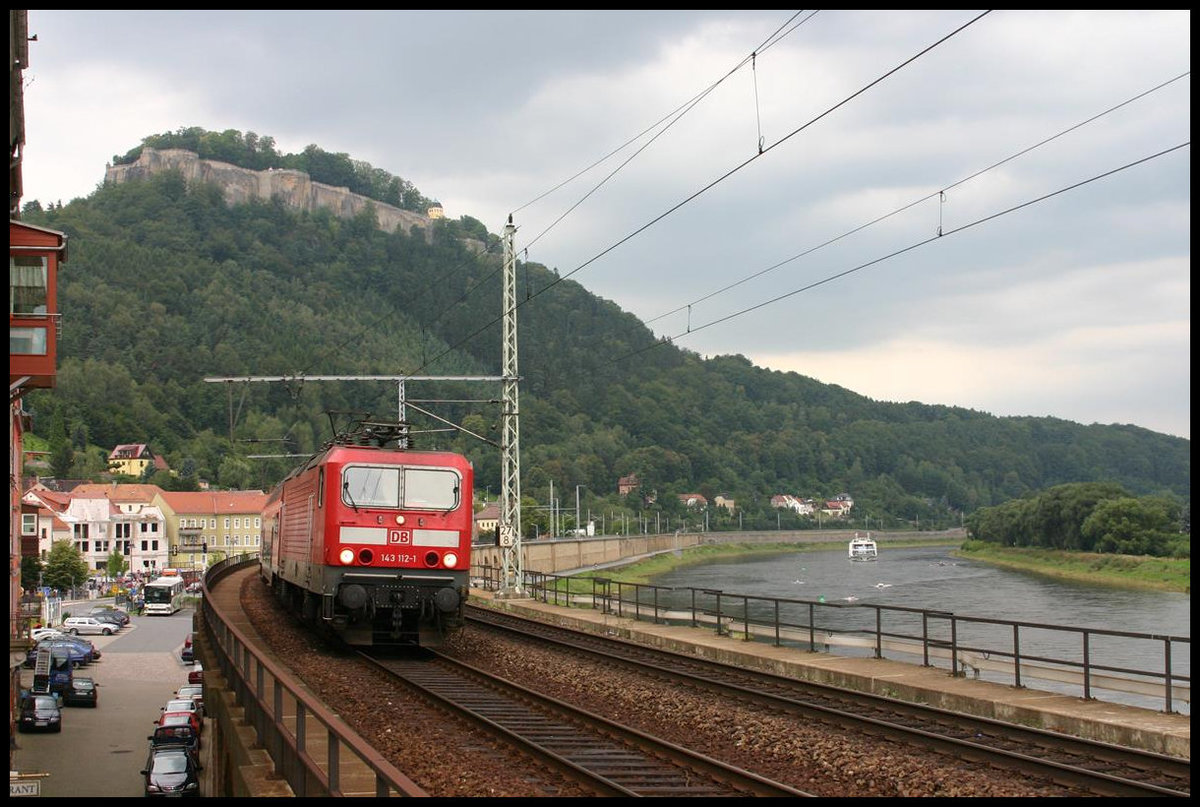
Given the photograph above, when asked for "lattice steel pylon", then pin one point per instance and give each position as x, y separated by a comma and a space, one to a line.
512, 565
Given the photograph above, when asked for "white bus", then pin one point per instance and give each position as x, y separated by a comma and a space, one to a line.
163, 595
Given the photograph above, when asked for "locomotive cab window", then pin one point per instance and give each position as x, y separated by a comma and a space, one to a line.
413, 488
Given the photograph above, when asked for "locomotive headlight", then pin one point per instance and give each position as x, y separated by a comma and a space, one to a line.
399, 519
450, 559
346, 556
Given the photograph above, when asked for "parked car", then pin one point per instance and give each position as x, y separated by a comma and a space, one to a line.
185, 705
76, 625
81, 692
83, 644
75, 654
179, 735
38, 634
183, 718
108, 609
187, 655
193, 691
111, 618
172, 771
40, 712
196, 674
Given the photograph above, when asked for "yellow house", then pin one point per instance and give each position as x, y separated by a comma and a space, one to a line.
132, 459
486, 521
204, 522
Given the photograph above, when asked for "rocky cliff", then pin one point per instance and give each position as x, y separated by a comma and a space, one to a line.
241, 185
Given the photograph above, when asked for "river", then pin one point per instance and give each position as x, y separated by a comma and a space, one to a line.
931, 578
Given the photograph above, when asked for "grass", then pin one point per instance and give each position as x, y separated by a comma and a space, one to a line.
1128, 571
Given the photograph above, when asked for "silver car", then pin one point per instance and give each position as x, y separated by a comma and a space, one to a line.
85, 624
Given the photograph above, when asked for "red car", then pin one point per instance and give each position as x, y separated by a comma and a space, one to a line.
179, 719
196, 674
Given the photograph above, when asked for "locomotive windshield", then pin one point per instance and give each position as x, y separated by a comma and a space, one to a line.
415, 488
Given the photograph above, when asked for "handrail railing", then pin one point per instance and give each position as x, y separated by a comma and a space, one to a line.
1012, 650
287, 738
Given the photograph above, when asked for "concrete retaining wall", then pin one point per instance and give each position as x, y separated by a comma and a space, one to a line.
565, 554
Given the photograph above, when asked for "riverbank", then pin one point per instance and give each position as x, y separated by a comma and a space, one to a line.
1126, 571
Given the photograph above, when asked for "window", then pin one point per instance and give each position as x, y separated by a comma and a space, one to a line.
83, 547
237, 523
27, 292
235, 540
145, 545
29, 523
27, 341
79, 531
226, 522
154, 546
257, 522
430, 488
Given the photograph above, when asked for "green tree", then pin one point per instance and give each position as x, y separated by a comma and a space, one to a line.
62, 455
1130, 526
65, 567
31, 572
117, 565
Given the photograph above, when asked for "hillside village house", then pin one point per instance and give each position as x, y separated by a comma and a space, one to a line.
627, 484
693, 500
132, 460
725, 502
486, 521
836, 507
786, 501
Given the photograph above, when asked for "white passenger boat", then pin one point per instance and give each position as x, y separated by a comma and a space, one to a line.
863, 548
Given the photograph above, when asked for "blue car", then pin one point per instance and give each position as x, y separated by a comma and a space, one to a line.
73, 653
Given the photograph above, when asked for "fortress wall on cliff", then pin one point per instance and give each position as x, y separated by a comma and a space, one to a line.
240, 185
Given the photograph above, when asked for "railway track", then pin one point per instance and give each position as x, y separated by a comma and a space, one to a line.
1095, 767
610, 759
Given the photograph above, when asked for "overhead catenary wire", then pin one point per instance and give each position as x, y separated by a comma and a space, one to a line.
674, 117
915, 202
716, 181
924, 242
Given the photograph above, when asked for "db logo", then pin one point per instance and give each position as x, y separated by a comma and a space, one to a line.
399, 537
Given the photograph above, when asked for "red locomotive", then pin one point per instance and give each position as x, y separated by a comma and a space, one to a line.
373, 541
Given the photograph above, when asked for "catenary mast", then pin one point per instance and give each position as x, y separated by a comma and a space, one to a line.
512, 567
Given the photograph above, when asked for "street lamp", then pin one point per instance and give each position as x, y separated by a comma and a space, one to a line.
577, 487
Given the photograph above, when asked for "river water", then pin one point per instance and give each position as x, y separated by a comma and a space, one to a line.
930, 578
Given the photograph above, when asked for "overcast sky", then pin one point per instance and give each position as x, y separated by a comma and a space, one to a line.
785, 207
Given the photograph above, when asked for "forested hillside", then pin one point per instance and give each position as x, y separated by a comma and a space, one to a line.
166, 285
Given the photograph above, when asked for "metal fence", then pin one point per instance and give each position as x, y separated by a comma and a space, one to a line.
311, 747
1139, 669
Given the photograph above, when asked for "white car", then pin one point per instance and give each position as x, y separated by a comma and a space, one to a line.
76, 625
37, 634
184, 705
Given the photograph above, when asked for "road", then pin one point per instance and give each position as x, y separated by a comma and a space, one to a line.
100, 751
